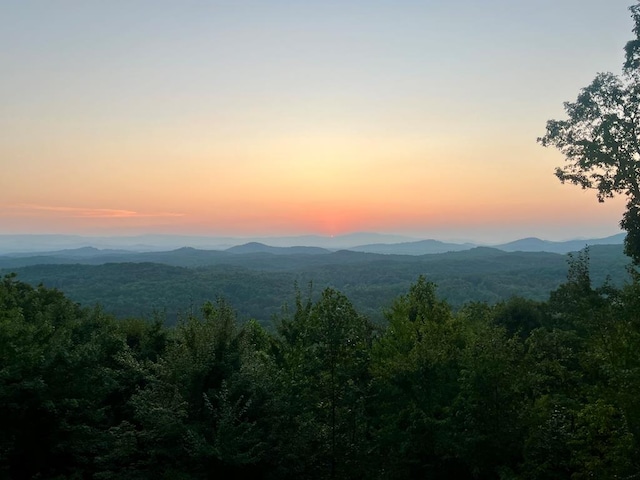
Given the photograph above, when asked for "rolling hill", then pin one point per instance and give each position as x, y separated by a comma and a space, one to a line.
259, 284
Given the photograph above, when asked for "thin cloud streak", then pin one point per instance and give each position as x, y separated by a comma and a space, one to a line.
79, 212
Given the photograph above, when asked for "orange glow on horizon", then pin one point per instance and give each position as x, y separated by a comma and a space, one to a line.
324, 184
323, 119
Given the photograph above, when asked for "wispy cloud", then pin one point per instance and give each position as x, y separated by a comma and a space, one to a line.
79, 212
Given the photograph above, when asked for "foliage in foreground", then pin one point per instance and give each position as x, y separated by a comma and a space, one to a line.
600, 139
520, 389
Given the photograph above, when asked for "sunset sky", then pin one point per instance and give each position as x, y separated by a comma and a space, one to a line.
298, 117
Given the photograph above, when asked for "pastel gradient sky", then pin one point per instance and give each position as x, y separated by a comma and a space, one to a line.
297, 117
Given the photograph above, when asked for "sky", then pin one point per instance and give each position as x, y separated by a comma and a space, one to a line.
298, 117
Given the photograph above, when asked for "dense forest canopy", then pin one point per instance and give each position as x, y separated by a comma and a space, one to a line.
519, 389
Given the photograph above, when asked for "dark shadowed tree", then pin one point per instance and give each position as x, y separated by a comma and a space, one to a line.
415, 364
600, 139
325, 349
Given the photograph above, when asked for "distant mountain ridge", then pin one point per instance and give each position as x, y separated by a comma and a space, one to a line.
533, 244
420, 247
154, 243
530, 244
118, 248
257, 247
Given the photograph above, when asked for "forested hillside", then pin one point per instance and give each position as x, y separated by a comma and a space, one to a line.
258, 285
517, 389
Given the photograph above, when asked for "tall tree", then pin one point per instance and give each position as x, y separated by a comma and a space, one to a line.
601, 139
325, 353
415, 366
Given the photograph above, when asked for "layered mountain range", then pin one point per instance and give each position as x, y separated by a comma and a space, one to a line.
79, 247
